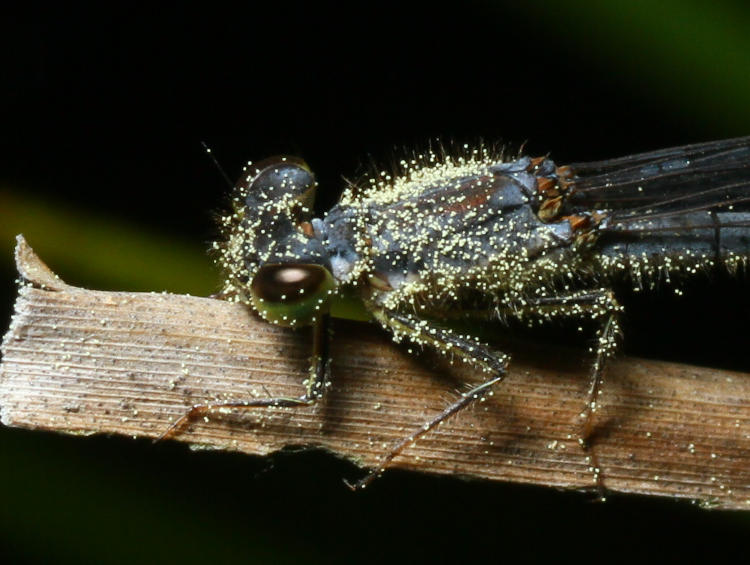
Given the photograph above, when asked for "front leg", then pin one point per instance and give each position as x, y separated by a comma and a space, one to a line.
315, 386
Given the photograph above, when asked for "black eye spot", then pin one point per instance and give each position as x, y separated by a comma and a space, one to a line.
287, 283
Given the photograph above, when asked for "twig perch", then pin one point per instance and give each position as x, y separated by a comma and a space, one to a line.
83, 362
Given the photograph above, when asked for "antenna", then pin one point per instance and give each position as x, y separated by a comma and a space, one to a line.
218, 166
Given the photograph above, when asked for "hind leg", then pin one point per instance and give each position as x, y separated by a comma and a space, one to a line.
601, 306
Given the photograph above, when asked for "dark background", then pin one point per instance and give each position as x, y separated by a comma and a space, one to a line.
101, 168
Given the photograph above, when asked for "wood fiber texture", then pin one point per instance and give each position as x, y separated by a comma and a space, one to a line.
83, 362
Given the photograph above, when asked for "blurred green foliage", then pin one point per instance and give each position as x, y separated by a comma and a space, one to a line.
690, 56
86, 248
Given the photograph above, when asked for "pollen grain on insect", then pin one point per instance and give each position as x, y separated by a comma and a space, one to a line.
478, 235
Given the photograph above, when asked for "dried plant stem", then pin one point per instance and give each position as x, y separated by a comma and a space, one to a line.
83, 362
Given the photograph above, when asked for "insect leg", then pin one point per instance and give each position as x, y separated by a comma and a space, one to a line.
602, 306
315, 386
447, 342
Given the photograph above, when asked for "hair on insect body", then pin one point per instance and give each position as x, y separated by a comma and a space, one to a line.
478, 236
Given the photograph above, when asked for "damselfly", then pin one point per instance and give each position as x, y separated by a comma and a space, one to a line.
479, 236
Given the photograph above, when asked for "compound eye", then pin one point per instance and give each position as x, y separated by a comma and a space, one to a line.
292, 295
